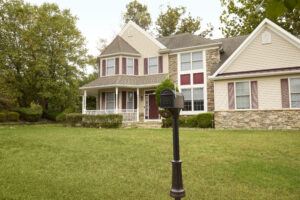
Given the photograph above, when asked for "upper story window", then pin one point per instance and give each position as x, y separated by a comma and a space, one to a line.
153, 65
110, 69
130, 67
191, 61
295, 92
242, 95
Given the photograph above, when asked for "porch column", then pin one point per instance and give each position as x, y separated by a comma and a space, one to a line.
84, 102
117, 100
137, 104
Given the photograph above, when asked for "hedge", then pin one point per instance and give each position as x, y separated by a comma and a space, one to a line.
2, 117
203, 120
12, 116
74, 119
51, 115
31, 114
61, 117
103, 121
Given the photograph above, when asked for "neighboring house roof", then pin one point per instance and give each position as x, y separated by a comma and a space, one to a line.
126, 81
119, 46
184, 40
266, 22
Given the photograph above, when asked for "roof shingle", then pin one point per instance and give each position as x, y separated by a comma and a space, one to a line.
119, 45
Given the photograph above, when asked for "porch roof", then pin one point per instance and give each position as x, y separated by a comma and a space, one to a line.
126, 81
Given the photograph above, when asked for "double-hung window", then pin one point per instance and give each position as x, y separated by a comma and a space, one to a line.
110, 101
242, 95
110, 66
153, 65
187, 94
295, 92
130, 100
193, 99
198, 99
197, 61
129, 65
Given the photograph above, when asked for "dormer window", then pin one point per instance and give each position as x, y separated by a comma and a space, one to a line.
153, 65
130, 67
110, 69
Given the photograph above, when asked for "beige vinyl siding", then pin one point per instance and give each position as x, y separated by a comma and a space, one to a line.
257, 56
269, 92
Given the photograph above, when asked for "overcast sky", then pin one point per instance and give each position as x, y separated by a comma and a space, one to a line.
103, 18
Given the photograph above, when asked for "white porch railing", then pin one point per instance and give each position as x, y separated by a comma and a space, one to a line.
129, 115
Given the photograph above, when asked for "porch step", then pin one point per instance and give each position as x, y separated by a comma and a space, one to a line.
142, 125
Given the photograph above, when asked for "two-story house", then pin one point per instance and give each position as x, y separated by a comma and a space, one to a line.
206, 72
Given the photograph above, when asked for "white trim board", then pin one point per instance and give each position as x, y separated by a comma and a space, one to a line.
268, 23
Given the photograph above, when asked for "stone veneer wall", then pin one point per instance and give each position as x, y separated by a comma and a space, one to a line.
173, 67
212, 60
258, 119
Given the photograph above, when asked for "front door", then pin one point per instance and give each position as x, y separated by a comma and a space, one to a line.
153, 108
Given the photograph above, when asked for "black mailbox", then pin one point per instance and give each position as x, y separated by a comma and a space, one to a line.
171, 99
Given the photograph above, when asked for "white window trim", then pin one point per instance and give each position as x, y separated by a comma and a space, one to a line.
250, 95
157, 65
127, 66
114, 58
191, 72
290, 92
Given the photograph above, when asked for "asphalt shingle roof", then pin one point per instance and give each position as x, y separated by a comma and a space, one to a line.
125, 80
119, 45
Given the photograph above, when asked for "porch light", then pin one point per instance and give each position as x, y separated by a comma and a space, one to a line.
174, 102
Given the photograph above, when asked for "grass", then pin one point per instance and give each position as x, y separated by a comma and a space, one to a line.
52, 162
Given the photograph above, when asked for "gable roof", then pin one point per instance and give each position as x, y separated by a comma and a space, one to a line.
184, 40
119, 46
141, 30
266, 22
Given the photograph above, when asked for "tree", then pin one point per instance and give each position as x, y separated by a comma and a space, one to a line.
137, 13
241, 17
174, 21
42, 53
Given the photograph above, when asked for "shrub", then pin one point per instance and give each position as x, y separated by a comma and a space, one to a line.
103, 121
74, 119
203, 120
2, 117
166, 84
51, 115
32, 114
12, 116
61, 117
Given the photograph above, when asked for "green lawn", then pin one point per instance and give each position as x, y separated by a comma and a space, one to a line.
55, 162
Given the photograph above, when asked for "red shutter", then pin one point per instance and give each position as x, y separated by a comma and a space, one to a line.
231, 97
104, 67
145, 66
198, 78
136, 66
117, 66
135, 100
185, 79
285, 100
160, 64
123, 65
103, 101
254, 95
123, 100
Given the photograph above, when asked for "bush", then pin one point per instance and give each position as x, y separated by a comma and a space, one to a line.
2, 117
166, 84
32, 114
61, 117
12, 116
103, 121
74, 119
203, 120
51, 115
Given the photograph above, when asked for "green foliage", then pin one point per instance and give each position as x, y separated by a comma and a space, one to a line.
241, 17
137, 13
74, 119
203, 120
61, 117
103, 121
166, 84
42, 54
51, 115
32, 113
12, 116
2, 117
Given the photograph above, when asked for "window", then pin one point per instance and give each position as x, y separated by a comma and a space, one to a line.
187, 99
242, 95
153, 65
295, 92
110, 101
130, 101
198, 99
191, 61
129, 66
110, 67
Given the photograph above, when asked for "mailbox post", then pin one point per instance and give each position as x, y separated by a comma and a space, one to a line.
174, 102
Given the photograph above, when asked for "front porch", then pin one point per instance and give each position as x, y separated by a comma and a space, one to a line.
134, 104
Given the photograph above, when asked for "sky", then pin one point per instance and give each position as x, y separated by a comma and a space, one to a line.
103, 18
